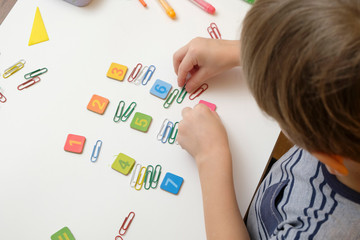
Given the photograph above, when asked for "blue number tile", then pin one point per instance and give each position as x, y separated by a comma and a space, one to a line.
171, 183
160, 89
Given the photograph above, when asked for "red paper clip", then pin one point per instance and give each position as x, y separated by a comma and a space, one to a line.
214, 32
132, 76
127, 220
28, 83
198, 91
2, 98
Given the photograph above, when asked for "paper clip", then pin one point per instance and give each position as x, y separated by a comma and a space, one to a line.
156, 176
162, 129
140, 76
140, 179
167, 132
35, 73
126, 223
135, 175
172, 137
148, 176
199, 91
28, 83
96, 151
14, 68
135, 72
171, 98
214, 32
118, 237
182, 95
123, 116
147, 78
2, 98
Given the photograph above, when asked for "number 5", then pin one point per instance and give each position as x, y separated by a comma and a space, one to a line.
142, 122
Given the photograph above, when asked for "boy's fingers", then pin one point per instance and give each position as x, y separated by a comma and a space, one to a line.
187, 64
178, 57
196, 80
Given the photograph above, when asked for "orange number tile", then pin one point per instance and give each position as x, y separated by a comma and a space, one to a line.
98, 104
117, 71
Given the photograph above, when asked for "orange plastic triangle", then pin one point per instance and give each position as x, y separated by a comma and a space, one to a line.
38, 32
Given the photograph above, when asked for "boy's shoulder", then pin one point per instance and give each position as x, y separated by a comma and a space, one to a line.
300, 199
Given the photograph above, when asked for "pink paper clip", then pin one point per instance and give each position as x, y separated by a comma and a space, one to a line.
28, 83
199, 91
127, 220
214, 32
133, 75
2, 98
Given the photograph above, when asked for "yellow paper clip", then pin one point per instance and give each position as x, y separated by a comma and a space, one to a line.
14, 68
140, 179
135, 175
171, 98
198, 91
140, 76
35, 73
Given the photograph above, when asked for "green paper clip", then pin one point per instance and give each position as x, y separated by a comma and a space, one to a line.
35, 73
155, 179
171, 98
123, 116
149, 172
118, 115
172, 137
182, 95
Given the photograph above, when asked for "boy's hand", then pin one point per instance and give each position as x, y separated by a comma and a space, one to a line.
204, 58
202, 134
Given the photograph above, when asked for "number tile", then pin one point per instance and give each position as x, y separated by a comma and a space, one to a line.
98, 104
123, 164
160, 89
74, 143
209, 104
171, 183
63, 234
141, 122
117, 71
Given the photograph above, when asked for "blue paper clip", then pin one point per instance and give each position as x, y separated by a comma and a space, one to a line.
162, 129
96, 151
167, 132
156, 176
147, 77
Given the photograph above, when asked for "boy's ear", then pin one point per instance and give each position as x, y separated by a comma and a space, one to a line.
334, 163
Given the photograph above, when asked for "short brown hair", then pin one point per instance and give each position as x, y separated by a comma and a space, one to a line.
301, 59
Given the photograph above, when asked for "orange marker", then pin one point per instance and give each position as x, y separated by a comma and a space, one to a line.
169, 11
143, 3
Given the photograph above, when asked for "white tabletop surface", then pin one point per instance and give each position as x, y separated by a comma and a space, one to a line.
44, 188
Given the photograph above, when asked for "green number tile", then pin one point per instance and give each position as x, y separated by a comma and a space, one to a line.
141, 122
123, 164
63, 234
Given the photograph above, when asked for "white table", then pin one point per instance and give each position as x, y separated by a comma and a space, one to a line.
44, 188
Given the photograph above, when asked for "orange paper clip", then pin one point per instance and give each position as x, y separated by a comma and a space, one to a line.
126, 223
135, 72
2, 98
198, 91
28, 83
214, 32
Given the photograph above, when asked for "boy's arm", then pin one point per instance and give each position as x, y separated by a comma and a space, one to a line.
203, 135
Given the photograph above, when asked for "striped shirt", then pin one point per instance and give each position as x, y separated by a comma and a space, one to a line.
300, 199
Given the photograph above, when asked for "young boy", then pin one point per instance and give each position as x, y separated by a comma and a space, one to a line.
301, 60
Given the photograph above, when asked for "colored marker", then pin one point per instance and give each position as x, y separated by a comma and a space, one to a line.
169, 11
204, 6
143, 3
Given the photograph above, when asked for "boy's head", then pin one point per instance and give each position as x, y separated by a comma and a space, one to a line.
302, 63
